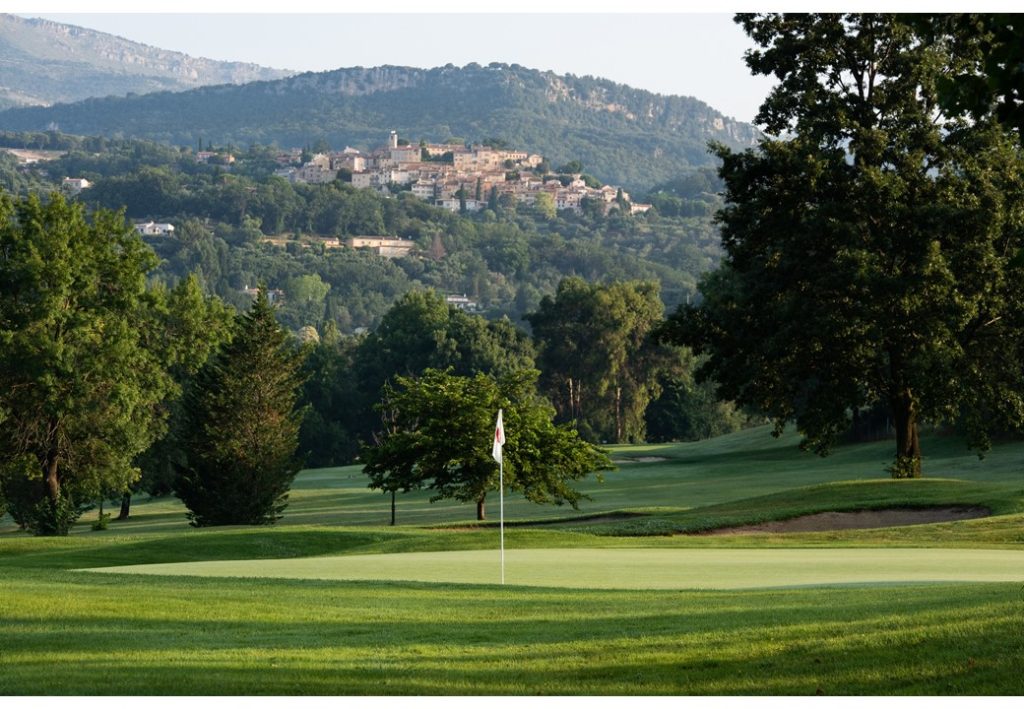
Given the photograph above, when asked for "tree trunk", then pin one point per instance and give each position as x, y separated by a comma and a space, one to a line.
52, 479
618, 414
908, 443
392, 508
126, 506
480, 514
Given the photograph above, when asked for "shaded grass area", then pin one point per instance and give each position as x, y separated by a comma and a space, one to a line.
158, 635
228, 543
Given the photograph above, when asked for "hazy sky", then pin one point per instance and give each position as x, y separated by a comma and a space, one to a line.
696, 55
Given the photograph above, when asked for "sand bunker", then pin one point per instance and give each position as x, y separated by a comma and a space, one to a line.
859, 519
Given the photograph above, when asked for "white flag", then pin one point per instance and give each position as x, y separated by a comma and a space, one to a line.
499, 438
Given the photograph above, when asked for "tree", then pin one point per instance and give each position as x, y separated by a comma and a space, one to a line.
572, 167
599, 365
687, 410
986, 78
305, 299
544, 203
875, 257
441, 432
422, 331
79, 385
243, 426
186, 328
333, 416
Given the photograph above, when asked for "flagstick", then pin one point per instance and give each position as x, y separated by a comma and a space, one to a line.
501, 513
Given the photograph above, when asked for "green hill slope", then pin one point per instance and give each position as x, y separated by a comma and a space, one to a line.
622, 135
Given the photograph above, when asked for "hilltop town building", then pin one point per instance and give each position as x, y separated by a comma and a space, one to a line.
455, 177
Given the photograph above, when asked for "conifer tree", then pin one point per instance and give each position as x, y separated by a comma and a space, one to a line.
243, 426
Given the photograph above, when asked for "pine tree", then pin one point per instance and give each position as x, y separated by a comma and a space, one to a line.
243, 426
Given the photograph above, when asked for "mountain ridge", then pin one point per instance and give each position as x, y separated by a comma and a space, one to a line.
47, 62
622, 135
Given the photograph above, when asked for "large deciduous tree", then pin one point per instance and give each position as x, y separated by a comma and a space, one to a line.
876, 255
421, 331
600, 366
987, 79
243, 426
79, 384
441, 430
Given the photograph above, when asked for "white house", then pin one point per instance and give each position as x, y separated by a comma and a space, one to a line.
73, 185
155, 229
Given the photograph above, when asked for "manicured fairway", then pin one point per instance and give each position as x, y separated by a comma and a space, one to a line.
631, 568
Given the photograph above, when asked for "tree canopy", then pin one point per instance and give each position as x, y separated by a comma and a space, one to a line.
876, 255
242, 427
439, 437
599, 364
80, 382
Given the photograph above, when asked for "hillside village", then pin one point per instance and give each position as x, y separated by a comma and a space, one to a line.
458, 177
453, 176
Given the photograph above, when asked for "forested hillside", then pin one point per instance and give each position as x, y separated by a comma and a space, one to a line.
622, 135
503, 259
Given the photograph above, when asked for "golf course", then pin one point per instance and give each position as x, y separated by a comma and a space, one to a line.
631, 594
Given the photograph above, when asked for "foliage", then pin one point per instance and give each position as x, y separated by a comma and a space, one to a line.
987, 79
505, 258
599, 366
187, 330
687, 410
441, 428
243, 426
873, 257
422, 332
335, 411
74, 364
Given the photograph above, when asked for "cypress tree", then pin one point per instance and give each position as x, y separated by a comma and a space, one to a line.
243, 426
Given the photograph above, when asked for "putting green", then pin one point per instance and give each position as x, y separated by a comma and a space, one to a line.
631, 568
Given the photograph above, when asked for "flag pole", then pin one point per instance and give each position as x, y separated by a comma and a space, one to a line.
501, 513
499, 441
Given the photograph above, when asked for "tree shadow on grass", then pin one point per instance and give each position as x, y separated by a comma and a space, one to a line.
218, 636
